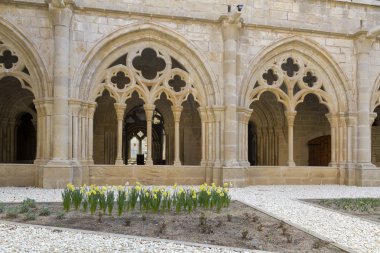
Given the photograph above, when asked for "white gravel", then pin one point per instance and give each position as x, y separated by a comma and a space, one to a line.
352, 233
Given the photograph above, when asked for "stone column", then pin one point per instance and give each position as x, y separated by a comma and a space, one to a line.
13, 141
363, 47
177, 116
231, 26
91, 112
120, 109
244, 116
203, 116
333, 124
290, 116
149, 109
61, 15
83, 139
75, 106
218, 111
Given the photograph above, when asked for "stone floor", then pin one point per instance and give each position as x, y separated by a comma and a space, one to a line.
282, 202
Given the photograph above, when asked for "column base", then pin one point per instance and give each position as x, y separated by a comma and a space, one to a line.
245, 164
203, 163
119, 162
217, 164
149, 162
367, 174
234, 175
57, 175
231, 164
177, 163
291, 164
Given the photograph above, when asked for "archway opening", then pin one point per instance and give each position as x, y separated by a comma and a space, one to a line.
267, 132
18, 119
312, 140
105, 129
190, 133
375, 138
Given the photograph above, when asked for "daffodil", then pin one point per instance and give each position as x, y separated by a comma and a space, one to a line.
225, 185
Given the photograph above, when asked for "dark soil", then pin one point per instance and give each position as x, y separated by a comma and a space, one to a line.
237, 226
352, 207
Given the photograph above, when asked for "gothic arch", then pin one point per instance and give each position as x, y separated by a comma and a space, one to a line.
36, 77
312, 62
137, 37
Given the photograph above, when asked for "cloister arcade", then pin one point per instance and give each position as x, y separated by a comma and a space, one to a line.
145, 105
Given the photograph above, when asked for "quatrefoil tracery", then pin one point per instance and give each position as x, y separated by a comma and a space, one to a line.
150, 72
12, 64
290, 79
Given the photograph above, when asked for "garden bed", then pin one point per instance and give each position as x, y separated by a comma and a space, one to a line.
236, 226
366, 208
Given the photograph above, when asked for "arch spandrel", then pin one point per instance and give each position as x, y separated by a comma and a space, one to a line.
315, 72
36, 78
131, 40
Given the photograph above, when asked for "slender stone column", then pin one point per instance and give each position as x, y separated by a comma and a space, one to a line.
120, 109
333, 124
363, 47
75, 106
177, 116
149, 109
91, 112
203, 116
13, 141
61, 14
84, 144
290, 118
244, 116
218, 112
231, 26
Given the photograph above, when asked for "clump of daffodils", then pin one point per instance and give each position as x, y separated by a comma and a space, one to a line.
146, 198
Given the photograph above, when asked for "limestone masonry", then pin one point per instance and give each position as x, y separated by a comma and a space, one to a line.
174, 91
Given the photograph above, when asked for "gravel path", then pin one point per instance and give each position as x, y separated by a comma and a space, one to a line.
282, 202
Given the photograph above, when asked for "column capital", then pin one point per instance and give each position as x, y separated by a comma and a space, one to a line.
61, 12
290, 116
44, 106
75, 106
231, 25
210, 114
363, 44
120, 109
177, 110
91, 109
149, 109
333, 119
372, 117
218, 112
244, 114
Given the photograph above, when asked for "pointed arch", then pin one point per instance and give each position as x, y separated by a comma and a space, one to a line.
148, 34
26, 49
334, 80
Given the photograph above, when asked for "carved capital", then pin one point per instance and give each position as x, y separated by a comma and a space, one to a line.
202, 113
218, 112
333, 119
290, 116
91, 109
231, 25
120, 109
75, 107
149, 109
61, 11
177, 112
372, 117
363, 44
244, 114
